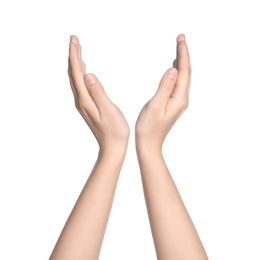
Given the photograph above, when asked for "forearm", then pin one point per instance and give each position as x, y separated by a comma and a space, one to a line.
83, 233
174, 234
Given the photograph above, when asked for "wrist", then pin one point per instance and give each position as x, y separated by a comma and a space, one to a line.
113, 151
148, 149
110, 162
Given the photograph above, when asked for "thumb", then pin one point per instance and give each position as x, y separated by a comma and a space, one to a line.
166, 85
97, 92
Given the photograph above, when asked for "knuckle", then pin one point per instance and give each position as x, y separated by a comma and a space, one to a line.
152, 104
185, 103
77, 105
81, 103
113, 110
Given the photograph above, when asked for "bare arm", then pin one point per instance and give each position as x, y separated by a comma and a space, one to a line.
174, 234
82, 235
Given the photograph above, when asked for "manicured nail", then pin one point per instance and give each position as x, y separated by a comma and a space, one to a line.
172, 73
90, 80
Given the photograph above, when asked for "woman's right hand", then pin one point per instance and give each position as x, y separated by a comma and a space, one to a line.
169, 102
104, 118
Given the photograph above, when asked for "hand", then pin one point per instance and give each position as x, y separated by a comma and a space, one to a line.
169, 102
104, 118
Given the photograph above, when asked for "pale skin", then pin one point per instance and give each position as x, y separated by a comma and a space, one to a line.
174, 235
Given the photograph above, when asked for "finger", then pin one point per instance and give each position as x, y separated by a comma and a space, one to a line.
175, 63
83, 101
76, 70
82, 98
166, 85
182, 53
79, 50
98, 93
176, 53
183, 66
75, 39
71, 84
83, 67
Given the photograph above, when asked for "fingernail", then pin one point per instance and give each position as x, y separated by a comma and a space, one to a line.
184, 37
90, 80
172, 73
73, 39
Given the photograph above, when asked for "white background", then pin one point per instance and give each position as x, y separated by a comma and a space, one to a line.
47, 150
